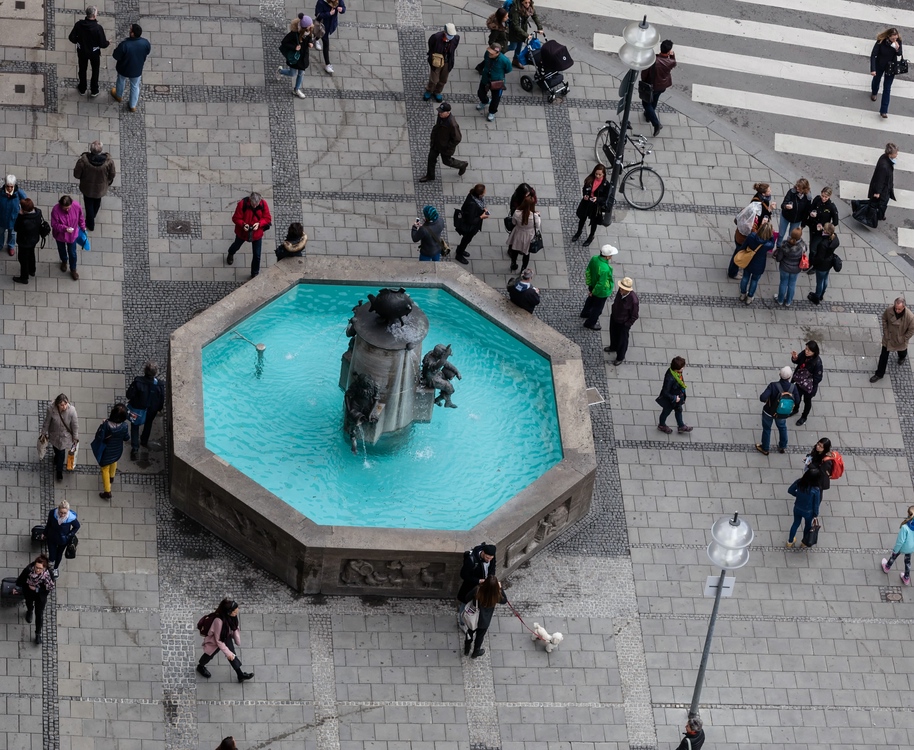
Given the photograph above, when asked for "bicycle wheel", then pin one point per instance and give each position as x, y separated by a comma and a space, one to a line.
643, 188
603, 147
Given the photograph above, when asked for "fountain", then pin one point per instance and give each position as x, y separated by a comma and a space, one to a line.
262, 441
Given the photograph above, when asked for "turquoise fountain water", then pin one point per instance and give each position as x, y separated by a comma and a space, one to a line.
280, 421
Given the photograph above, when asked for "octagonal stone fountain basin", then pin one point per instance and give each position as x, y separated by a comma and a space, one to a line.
259, 457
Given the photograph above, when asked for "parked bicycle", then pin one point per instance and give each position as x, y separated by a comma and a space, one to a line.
641, 185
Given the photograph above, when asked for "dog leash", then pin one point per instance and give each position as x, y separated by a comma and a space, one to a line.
517, 615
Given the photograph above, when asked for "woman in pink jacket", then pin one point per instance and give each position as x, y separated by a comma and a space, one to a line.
66, 220
223, 635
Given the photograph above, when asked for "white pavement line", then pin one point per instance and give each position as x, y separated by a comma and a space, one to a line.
905, 237
847, 152
683, 19
777, 105
788, 71
875, 13
858, 191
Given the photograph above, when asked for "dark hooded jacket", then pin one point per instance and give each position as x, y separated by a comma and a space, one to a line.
88, 36
95, 173
28, 228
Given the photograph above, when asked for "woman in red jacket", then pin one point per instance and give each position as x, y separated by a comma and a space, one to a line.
251, 219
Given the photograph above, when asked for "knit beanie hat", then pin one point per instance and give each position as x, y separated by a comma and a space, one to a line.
304, 21
430, 213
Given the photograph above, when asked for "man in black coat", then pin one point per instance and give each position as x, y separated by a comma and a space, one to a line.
694, 736
145, 393
446, 136
883, 182
622, 317
89, 38
478, 564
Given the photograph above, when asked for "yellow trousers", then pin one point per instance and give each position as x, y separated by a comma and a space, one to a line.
108, 473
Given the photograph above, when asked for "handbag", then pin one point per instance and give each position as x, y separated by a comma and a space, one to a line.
536, 244
38, 534
804, 262
70, 552
136, 415
803, 379
898, 67
865, 213
458, 222
496, 85
744, 256
437, 60
811, 535
42, 446
836, 263
98, 443
471, 615
509, 223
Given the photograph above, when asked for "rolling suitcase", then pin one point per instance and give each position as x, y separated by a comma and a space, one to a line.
7, 597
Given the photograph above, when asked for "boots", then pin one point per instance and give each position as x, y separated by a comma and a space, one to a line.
477, 653
204, 671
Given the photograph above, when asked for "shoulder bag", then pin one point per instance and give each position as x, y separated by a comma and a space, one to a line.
459, 226
803, 380
437, 60
471, 615
898, 67
536, 244
70, 552
98, 442
744, 257
811, 535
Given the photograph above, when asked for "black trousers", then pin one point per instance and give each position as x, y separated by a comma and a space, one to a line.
884, 360
36, 600
60, 458
26, 261
807, 405
593, 309
55, 553
234, 663
593, 226
447, 159
618, 338
464, 243
513, 255
475, 637
92, 206
93, 59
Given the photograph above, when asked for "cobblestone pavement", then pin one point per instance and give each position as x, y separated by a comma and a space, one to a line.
811, 651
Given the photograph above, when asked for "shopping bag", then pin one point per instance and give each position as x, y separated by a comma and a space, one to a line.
42, 446
471, 615
82, 239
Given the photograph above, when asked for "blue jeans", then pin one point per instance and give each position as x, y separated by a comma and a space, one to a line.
67, 253
299, 75
766, 432
787, 287
134, 89
650, 109
786, 226
886, 90
797, 517
433, 258
821, 283
749, 283
9, 237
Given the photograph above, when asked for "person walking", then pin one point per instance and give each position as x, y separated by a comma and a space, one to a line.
807, 376
753, 242
67, 219
441, 48
478, 564
28, 227
599, 279
59, 531
95, 171
10, 199
789, 257
61, 430
108, 446
527, 222
778, 400
673, 396
593, 200
35, 582
622, 316
882, 64
89, 37
495, 67
694, 736
445, 138
145, 399
806, 506
497, 24
750, 218
251, 218
519, 33
522, 292
897, 329
293, 246
822, 211
427, 232
131, 56
472, 213
487, 595
904, 545
794, 209
882, 183
823, 261
658, 78
328, 13
296, 48
223, 634
762, 243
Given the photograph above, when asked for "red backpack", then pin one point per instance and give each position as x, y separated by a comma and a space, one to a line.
205, 623
837, 467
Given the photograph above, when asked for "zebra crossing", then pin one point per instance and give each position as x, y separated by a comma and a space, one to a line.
807, 90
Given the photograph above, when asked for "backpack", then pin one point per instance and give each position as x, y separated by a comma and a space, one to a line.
837, 467
205, 623
507, 5
785, 405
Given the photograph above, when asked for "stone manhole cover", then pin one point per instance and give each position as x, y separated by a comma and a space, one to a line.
179, 226
890, 594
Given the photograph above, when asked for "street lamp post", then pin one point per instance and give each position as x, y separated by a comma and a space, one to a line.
729, 550
638, 54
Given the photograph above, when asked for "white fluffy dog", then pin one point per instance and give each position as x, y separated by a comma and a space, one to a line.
551, 641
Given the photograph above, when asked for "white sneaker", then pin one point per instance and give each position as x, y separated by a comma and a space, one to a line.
490, 117
279, 75
298, 93
318, 45
329, 68
482, 105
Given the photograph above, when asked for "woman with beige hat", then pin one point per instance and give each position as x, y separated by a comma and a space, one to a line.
622, 317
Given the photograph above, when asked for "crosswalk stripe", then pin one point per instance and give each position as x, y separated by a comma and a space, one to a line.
707, 58
843, 9
683, 19
777, 105
858, 191
846, 152
905, 237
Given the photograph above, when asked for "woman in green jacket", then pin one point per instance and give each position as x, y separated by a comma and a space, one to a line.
519, 26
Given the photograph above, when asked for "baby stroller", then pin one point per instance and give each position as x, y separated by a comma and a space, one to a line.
549, 59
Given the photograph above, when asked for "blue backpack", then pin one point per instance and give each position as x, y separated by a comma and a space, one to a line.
785, 404
507, 5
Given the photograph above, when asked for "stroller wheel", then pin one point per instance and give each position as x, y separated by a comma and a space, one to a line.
526, 83
550, 98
